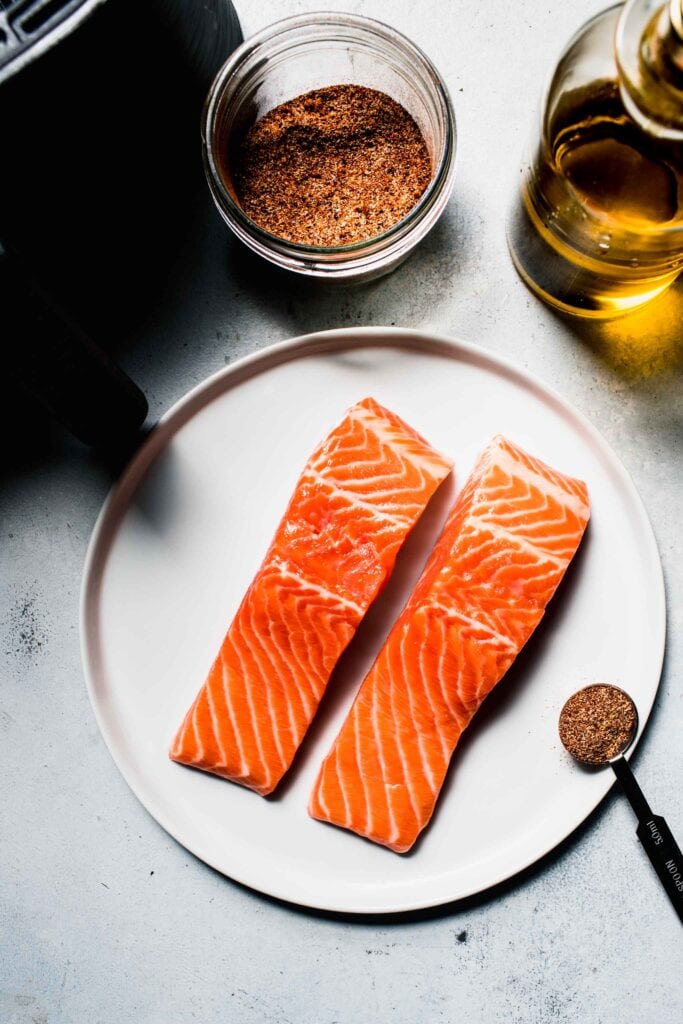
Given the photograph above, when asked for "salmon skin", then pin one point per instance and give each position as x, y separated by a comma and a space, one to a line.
360, 494
503, 551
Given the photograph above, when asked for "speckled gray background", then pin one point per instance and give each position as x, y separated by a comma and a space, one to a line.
104, 918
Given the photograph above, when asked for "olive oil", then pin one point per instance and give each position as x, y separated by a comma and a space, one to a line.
599, 229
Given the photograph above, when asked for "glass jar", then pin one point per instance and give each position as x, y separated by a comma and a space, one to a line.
308, 52
598, 228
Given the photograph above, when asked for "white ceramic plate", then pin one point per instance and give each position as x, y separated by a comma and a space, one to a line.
184, 530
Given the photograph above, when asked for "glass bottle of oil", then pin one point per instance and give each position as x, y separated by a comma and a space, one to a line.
598, 227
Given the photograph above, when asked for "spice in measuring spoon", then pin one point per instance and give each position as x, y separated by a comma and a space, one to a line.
333, 167
597, 725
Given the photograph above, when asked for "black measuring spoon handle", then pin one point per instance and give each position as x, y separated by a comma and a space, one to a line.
665, 857
655, 836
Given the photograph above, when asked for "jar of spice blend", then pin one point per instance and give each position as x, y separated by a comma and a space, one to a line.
310, 53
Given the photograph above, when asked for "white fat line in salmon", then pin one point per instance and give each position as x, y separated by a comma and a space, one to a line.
458, 616
244, 769
524, 544
353, 499
562, 495
306, 584
396, 435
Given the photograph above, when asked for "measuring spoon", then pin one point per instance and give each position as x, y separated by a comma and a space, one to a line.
653, 832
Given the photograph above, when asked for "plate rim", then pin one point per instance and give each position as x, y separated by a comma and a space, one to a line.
222, 380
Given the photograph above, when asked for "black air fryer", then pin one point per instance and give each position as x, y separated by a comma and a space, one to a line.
99, 119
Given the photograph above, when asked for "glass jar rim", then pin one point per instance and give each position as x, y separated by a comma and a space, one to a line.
376, 243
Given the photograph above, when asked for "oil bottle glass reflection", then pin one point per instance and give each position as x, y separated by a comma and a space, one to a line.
598, 228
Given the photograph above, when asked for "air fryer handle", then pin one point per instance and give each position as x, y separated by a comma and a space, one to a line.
53, 359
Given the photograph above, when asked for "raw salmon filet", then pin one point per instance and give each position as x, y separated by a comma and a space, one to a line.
360, 494
505, 547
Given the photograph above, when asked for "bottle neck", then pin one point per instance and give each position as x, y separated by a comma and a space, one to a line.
649, 54
661, 46
676, 17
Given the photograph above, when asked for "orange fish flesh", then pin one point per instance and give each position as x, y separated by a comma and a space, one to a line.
360, 494
503, 551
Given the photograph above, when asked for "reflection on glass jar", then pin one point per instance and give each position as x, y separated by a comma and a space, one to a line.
598, 228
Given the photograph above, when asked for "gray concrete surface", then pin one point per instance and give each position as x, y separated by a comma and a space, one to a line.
104, 918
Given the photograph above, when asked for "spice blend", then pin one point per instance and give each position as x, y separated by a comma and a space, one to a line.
597, 723
332, 167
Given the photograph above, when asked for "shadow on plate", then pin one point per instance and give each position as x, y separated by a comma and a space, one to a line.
453, 909
352, 668
502, 699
